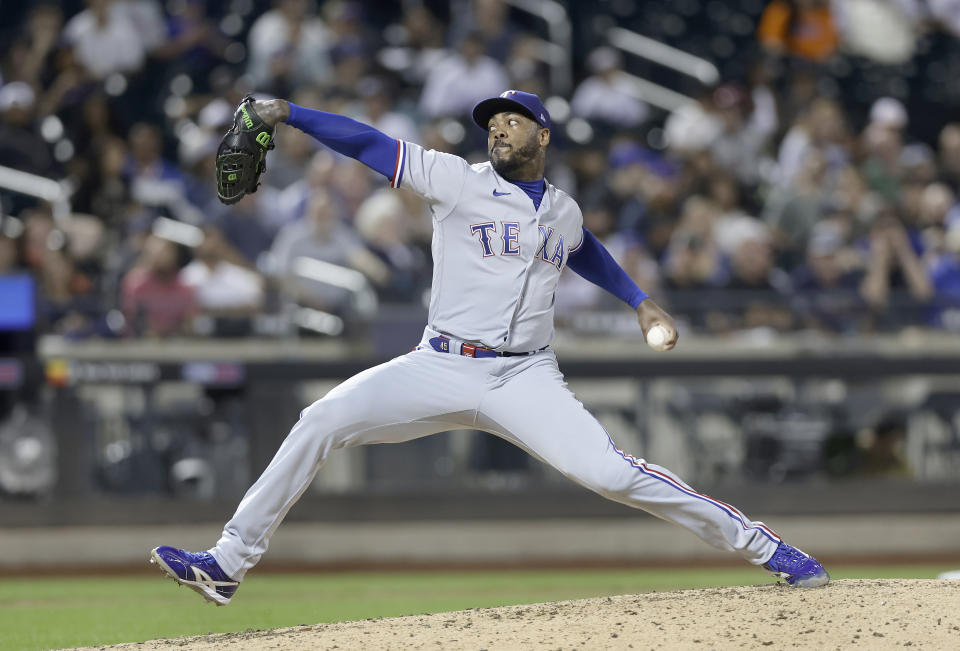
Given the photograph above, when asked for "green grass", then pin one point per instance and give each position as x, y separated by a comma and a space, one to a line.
49, 613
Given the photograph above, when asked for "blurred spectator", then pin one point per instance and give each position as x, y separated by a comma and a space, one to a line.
745, 133
945, 278
11, 231
245, 228
105, 39
148, 18
455, 84
821, 128
349, 60
694, 126
893, 263
762, 303
154, 181
730, 223
20, 146
110, 192
883, 455
800, 28
949, 154
489, 19
351, 185
884, 31
419, 47
827, 284
693, 259
793, 209
379, 113
30, 52
605, 96
291, 203
289, 47
193, 43
155, 301
882, 147
221, 287
320, 235
385, 227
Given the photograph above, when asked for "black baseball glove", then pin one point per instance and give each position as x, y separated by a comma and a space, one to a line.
242, 155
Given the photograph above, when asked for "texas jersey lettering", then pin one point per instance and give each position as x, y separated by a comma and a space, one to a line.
490, 283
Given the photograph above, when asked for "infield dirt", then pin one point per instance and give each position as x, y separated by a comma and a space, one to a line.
846, 614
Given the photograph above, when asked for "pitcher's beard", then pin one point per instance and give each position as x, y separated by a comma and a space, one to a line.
509, 168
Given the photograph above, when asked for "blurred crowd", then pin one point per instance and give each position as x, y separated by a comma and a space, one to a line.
773, 198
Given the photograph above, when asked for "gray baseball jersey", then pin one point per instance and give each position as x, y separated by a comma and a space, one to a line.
497, 260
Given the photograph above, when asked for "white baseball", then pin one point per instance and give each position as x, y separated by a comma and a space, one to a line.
657, 337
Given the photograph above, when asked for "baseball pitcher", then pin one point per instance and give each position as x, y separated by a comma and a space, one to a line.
501, 236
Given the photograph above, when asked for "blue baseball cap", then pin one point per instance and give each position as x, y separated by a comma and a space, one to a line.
512, 100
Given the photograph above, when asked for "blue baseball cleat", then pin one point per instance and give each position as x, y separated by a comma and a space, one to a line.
197, 571
799, 569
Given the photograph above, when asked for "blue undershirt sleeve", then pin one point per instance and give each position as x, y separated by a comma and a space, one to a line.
343, 135
592, 261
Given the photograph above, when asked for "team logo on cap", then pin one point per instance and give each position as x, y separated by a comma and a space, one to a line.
508, 93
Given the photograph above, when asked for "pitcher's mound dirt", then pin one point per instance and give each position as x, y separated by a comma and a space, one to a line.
846, 614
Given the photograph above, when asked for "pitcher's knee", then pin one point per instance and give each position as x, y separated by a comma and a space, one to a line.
610, 485
324, 419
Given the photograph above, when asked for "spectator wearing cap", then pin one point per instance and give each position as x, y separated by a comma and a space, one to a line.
460, 80
20, 146
605, 96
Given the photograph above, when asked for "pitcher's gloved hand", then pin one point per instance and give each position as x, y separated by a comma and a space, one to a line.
242, 155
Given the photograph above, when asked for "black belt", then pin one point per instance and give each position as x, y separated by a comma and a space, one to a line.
441, 344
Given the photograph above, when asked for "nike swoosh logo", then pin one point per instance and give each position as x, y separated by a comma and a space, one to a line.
500, 194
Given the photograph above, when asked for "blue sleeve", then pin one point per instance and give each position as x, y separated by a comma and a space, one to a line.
593, 262
371, 147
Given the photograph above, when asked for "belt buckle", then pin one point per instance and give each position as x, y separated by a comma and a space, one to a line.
468, 350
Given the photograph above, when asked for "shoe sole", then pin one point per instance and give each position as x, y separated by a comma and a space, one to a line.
814, 581
201, 589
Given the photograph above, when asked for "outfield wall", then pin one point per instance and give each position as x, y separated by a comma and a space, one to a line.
906, 538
